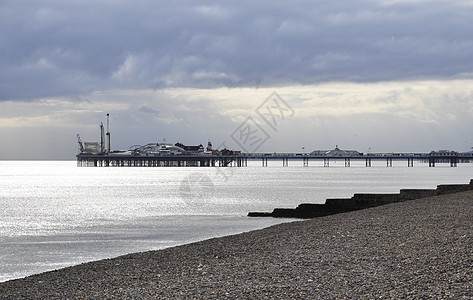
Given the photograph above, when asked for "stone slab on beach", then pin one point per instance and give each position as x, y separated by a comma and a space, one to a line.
415, 249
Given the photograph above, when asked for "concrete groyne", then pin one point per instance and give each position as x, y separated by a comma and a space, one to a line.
360, 201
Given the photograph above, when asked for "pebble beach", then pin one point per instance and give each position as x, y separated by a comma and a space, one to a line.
415, 249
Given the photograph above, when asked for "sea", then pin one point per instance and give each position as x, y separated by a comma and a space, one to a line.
54, 214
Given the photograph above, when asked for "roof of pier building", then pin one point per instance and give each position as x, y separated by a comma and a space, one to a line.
336, 152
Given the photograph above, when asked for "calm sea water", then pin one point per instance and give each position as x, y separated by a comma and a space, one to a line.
54, 214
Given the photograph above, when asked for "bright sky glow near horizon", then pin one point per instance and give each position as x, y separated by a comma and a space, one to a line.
389, 76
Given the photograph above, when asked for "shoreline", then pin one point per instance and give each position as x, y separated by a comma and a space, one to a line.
420, 247
98, 244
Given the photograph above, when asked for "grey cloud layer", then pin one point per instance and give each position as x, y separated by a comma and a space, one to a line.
64, 48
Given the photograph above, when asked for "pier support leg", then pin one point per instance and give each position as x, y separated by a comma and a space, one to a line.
432, 162
453, 162
347, 162
285, 162
389, 162
326, 162
368, 162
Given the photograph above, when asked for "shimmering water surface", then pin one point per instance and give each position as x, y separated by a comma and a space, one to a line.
54, 214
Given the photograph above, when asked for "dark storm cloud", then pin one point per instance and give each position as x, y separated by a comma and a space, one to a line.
63, 48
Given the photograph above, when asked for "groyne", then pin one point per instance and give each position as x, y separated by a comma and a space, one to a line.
360, 201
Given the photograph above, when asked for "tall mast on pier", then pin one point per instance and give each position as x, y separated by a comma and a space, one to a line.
102, 141
108, 132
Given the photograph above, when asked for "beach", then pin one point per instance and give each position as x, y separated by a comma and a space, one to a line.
415, 249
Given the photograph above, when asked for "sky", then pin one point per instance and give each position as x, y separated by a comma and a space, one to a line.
257, 76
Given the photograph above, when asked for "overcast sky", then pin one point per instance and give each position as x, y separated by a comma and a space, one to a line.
376, 75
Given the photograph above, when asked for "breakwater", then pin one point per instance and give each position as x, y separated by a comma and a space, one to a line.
360, 201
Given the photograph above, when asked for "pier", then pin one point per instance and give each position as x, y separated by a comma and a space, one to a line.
241, 160
99, 154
